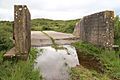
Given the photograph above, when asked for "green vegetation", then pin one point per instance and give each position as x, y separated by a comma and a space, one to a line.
117, 30
5, 35
55, 45
24, 70
19, 70
81, 73
110, 59
15, 69
56, 25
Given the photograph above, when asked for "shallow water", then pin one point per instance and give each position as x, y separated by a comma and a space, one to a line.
55, 64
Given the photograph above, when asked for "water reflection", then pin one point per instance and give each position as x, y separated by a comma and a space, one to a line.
54, 64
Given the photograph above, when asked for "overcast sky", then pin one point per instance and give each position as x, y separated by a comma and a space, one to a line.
58, 9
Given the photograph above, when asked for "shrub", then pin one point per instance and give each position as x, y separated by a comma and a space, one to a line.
5, 35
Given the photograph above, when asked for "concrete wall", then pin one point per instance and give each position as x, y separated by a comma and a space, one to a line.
97, 29
22, 31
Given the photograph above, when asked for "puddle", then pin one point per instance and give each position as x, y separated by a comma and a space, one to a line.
54, 65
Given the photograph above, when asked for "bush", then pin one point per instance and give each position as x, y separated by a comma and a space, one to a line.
87, 48
56, 25
5, 41
5, 35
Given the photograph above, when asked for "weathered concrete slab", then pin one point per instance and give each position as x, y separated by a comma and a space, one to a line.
38, 38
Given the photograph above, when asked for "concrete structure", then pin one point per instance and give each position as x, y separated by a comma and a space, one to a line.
39, 38
77, 30
97, 29
21, 32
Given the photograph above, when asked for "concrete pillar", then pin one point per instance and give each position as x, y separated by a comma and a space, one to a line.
22, 31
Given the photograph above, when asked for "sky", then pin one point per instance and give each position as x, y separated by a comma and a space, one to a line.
58, 9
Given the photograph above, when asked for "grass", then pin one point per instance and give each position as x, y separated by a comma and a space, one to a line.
19, 70
110, 59
87, 48
81, 73
55, 25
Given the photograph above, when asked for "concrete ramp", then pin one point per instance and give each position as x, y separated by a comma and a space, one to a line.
43, 38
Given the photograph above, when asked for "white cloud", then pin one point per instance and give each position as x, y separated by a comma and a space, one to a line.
58, 9
6, 14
